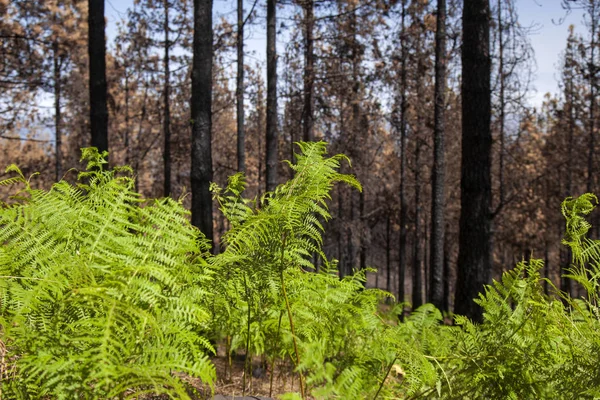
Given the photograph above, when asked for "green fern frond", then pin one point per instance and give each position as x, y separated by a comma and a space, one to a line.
101, 290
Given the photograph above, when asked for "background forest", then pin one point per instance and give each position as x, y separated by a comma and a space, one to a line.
379, 80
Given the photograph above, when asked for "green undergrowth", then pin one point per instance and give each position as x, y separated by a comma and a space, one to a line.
104, 294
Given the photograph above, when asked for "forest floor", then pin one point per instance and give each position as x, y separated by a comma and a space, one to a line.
230, 381
258, 382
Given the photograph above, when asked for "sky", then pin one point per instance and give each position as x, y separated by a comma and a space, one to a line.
548, 38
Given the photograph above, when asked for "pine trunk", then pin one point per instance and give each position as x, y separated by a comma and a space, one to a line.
167, 107
201, 172
403, 202
417, 292
502, 116
309, 72
592, 97
271, 135
475, 236
446, 303
436, 262
388, 257
97, 60
239, 92
57, 112
565, 251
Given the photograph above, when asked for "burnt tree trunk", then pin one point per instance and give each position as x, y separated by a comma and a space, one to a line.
309, 71
446, 303
592, 97
475, 236
502, 101
403, 202
127, 123
417, 292
436, 262
97, 60
239, 90
271, 134
201, 173
57, 110
388, 258
565, 251
167, 107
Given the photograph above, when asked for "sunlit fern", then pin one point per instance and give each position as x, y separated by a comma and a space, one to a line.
101, 292
345, 346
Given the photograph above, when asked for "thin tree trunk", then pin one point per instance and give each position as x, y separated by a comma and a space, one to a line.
439, 164
127, 123
592, 105
349, 238
446, 304
271, 136
475, 236
341, 267
425, 256
565, 251
143, 116
502, 115
309, 72
239, 92
97, 61
201, 172
260, 129
417, 292
546, 266
591, 184
167, 107
362, 225
417, 295
403, 202
388, 258
57, 111
357, 133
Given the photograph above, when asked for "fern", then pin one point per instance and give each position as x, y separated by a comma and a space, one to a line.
102, 292
331, 329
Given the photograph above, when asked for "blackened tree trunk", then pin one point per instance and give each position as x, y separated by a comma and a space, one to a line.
239, 91
167, 107
426, 247
97, 59
127, 123
309, 71
592, 106
403, 202
57, 110
439, 165
271, 134
501, 100
568, 77
362, 223
388, 257
417, 293
350, 238
340, 216
201, 174
446, 303
548, 201
359, 132
475, 236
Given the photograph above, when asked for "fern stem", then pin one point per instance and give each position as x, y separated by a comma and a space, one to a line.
385, 377
228, 364
275, 355
247, 339
289, 312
